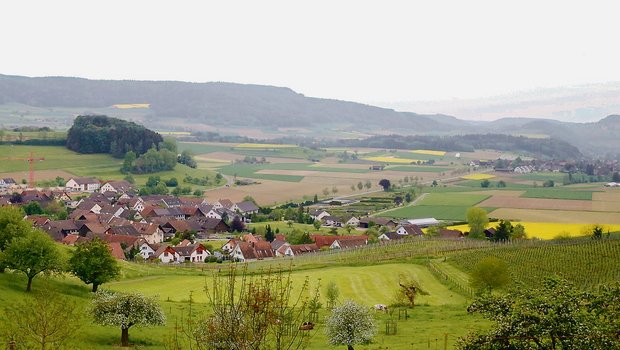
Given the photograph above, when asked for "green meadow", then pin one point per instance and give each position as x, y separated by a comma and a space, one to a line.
101, 166
445, 206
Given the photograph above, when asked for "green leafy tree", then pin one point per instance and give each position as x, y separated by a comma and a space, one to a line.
126, 310
128, 162
33, 254
44, 320
518, 232
485, 183
296, 236
554, 316
350, 324
477, 220
172, 182
490, 273
386, 184
33, 208
269, 235
503, 231
367, 184
92, 262
129, 178
360, 185
501, 183
237, 225
317, 224
12, 225
597, 232
332, 293
187, 158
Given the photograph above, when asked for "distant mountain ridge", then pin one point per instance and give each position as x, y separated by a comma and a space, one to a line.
258, 106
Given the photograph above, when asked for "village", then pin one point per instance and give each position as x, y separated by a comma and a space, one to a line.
144, 228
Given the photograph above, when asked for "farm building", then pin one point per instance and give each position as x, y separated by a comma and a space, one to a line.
425, 222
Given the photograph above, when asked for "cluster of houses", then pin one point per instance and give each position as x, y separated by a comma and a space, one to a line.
135, 225
251, 247
114, 212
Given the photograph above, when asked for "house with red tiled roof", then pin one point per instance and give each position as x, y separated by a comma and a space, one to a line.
327, 241
117, 250
150, 232
259, 250
166, 254
349, 243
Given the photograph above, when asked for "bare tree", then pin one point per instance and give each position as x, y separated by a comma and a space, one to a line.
254, 312
43, 320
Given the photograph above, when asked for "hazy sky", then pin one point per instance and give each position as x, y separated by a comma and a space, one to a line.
355, 50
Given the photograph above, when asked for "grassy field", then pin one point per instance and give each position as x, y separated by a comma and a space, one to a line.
457, 199
101, 166
441, 212
445, 206
557, 177
558, 193
441, 311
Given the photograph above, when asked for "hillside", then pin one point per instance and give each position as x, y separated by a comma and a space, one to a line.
243, 109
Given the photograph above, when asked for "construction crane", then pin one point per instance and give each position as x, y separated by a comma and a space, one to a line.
31, 161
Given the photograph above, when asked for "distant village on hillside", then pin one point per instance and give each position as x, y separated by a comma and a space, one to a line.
145, 227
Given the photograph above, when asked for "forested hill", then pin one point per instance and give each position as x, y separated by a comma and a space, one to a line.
200, 106
102, 134
209, 103
546, 148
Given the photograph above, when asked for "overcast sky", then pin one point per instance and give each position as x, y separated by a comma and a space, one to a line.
353, 50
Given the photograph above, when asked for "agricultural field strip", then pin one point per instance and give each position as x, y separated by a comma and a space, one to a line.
550, 230
444, 206
530, 264
559, 193
555, 216
499, 201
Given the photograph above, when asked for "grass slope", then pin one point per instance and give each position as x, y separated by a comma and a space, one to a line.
101, 166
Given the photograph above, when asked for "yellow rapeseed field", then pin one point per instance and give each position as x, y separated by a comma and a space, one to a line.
131, 105
429, 152
263, 145
551, 230
477, 177
391, 160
